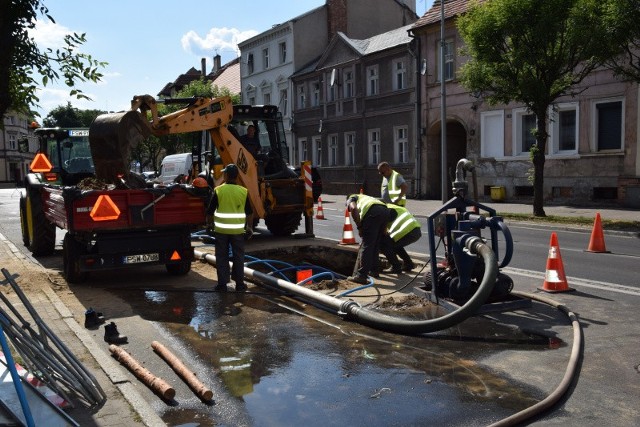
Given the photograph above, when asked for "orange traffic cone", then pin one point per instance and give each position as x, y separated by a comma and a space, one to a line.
554, 278
596, 244
320, 213
347, 231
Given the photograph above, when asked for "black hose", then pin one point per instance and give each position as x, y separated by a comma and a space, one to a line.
567, 379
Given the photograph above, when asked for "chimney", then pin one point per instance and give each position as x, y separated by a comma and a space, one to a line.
203, 67
216, 63
336, 17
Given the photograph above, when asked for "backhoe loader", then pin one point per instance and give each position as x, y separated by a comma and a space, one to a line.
277, 194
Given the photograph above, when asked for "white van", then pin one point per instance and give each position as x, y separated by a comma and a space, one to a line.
174, 165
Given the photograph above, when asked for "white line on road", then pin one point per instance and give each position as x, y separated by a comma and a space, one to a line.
574, 281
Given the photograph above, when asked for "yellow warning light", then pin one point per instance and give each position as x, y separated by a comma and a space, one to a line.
104, 209
175, 256
40, 163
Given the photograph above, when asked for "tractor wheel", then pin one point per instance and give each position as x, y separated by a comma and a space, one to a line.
283, 224
42, 233
24, 228
71, 252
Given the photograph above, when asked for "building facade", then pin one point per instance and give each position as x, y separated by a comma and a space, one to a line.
356, 107
15, 155
592, 152
268, 59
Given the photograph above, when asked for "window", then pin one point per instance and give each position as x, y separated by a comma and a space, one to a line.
315, 100
608, 125
449, 56
250, 63
524, 123
301, 97
317, 151
12, 140
349, 149
400, 75
283, 52
265, 58
492, 134
284, 103
333, 150
372, 80
348, 83
304, 154
401, 144
252, 100
374, 146
564, 128
266, 97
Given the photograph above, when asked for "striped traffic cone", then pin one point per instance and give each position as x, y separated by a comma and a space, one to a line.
320, 213
347, 231
554, 278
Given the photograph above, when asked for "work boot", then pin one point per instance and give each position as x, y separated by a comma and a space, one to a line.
92, 318
363, 280
395, 269
241, 287
112, 336
408, 265
220, 288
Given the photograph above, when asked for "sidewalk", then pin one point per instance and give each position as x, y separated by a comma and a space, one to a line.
427, 207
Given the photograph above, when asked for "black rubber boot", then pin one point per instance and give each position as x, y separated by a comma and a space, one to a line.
92, 318
112, 336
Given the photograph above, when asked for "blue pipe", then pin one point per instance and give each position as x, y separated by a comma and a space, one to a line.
17, 382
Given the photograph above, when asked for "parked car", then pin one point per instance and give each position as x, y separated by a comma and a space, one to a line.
149, 175
317, 182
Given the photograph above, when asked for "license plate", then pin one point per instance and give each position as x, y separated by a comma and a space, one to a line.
142, 258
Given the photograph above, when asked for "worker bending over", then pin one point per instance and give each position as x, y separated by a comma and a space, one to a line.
402, 230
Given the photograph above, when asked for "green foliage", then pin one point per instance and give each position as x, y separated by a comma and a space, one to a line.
533, 52
621, 18
70, 117
24, 67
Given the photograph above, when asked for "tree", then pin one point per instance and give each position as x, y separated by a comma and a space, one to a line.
22, 61
623, 16
70, 117
533, 52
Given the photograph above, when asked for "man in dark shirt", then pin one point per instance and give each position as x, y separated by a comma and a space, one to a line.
251, 141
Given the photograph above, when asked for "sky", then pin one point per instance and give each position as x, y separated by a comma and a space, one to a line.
150, 43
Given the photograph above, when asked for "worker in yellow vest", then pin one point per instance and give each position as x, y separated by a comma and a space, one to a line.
394, 188
370, 216
232, 215
402, 230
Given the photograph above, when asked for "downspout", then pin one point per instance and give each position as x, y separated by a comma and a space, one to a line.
418, 145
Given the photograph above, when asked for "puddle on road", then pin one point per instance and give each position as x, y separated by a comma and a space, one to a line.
281, 362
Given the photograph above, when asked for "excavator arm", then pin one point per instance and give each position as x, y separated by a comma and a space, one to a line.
117, 133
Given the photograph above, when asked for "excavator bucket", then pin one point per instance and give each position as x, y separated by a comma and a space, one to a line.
111, 138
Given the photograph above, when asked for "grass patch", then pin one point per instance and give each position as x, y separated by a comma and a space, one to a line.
607, 224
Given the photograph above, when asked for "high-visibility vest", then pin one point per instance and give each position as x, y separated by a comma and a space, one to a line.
394, 189
403, 224
365, 202
229, 217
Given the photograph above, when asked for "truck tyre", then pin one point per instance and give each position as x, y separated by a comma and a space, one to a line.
179, 269
42, 233
71, 252
283, 224
23, 221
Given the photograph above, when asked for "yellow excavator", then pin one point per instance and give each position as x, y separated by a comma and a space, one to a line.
277, 194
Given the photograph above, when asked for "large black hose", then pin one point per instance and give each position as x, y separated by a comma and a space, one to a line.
352, 311
570, 372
